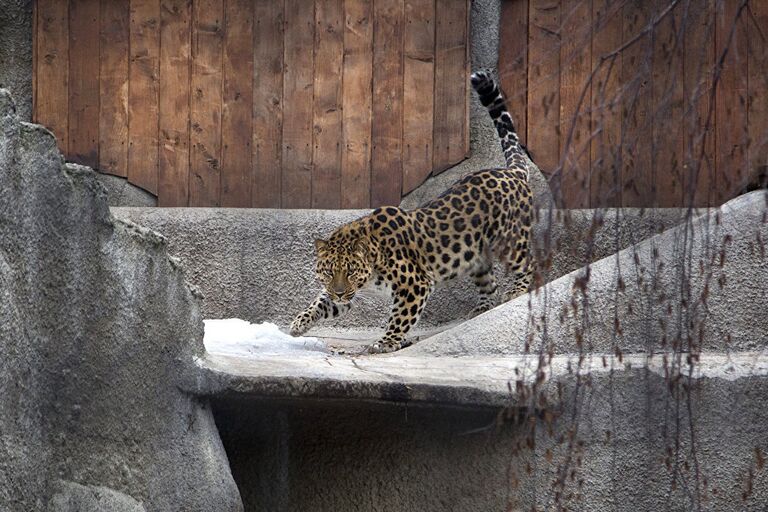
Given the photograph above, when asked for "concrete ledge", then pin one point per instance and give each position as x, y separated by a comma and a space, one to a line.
461, 381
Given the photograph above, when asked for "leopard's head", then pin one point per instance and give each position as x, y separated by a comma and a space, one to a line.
343, 265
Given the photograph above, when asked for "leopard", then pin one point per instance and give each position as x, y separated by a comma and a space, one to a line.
484, 216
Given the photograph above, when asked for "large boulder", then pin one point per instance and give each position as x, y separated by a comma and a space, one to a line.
98, 337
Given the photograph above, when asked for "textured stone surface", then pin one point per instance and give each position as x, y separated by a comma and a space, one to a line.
72, 497
98, 332
16, 52
119, 191
627, 425
259, 264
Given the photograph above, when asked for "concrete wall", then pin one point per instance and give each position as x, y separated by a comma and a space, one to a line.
16, 53
98, 335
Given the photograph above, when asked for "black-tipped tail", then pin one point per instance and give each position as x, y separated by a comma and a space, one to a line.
493, 100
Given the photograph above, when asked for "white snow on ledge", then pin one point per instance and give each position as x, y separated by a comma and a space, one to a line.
236, 337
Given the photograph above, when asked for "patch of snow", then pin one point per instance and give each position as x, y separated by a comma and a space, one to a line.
233, 336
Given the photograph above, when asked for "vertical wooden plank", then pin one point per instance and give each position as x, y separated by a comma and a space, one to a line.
113, 87
53, 69
575, 101
758, 89
513, 61
175, 52
637, 171
697, 90
667, 109
205, 104
732, 125
605, 152
329, 53
358, 77
418, 89
267, 103
296, 187
387, 131
84, 82
451, 82
35, 43
237, 114
544, 85
143, 98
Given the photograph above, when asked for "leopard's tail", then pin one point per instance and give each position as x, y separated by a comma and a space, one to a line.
492, 99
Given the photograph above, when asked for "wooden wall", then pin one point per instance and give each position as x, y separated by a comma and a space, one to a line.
615, 97
264, 103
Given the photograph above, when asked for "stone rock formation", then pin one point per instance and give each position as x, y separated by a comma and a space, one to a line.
98, 338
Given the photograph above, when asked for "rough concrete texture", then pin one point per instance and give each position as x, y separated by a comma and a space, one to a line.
98, 333
484, 142
259, 264
16, 52
119, 191
636, 447
72, 497
699, 286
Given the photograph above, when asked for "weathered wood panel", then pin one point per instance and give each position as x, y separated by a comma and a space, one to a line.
636, 108
513, 68
84, 78
732, 125
544, 83
575, 101
143, 96
758, 89
605, 151
451, 142
387, 130
667, 110
175, 54
52, 107
297, 104
418, 84
326, 152
356, 104
237, 109
267, 103
288, 103
205, 104
113, 87
699, 115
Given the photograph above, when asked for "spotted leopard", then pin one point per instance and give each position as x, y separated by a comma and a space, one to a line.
483, 215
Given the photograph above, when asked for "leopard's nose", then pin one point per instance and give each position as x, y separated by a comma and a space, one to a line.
339, 289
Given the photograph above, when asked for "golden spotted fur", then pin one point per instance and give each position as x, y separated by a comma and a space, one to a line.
485, 214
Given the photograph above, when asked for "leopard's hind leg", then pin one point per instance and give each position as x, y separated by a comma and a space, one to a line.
519, 261
486, 287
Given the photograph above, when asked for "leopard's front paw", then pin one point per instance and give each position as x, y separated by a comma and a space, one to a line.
384, 345
300, 324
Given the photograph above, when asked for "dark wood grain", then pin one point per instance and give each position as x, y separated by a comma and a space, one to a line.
387, 131
206, 104
237, 113
113, 87
53, 69
418, 88
267, 103
327, 119
298, 81
175, 55
357, 96
451, 81
143, 98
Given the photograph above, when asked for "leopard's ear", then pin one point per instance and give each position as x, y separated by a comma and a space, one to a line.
361, 246
320, 244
